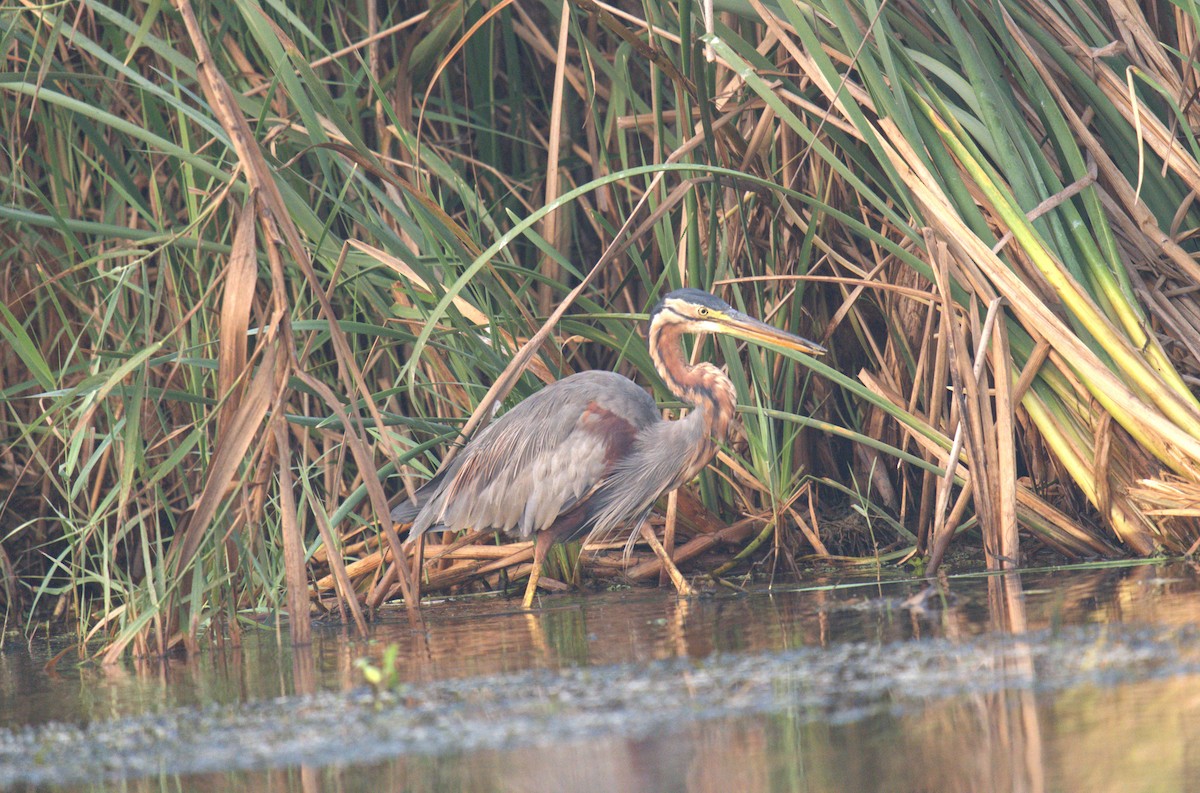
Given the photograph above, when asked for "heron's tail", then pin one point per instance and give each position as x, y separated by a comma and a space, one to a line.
405, 512
422, 516
410, 514
410, 511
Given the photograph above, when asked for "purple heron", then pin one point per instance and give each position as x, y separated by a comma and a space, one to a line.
591, 452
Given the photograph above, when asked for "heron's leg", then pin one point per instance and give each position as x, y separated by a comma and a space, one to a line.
681, 584
541, 547
531, 587
418, 565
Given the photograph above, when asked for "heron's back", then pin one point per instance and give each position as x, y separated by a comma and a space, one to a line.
538, 462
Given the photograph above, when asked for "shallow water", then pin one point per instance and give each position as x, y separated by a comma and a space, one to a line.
1043, 681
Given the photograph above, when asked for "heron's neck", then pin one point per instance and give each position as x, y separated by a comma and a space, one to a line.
703, 386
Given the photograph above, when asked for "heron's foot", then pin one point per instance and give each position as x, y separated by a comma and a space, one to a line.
531, 587
544, 582
681, 585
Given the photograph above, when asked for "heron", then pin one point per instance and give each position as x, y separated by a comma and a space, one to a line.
591, 453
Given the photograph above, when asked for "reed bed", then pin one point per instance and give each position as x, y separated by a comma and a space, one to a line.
263, 265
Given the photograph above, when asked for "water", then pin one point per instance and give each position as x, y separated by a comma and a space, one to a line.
1044, 681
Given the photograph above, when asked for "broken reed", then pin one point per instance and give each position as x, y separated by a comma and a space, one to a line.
252, 294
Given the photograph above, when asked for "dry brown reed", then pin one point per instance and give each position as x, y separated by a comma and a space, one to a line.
258, 264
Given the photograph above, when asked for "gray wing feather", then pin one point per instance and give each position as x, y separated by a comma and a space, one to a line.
533, 463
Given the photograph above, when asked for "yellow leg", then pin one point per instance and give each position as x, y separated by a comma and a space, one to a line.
541, 546
531, 587
681, 584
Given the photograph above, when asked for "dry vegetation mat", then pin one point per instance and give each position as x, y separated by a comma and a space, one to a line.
261, 263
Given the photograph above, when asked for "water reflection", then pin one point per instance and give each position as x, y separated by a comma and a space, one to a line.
1009, 726
1051, 680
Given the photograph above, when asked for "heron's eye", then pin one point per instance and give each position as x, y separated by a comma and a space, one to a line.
702, 312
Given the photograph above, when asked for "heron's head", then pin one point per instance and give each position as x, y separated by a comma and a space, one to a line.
696, 311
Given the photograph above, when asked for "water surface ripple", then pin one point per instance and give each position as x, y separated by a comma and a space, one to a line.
1012, 682
842, 683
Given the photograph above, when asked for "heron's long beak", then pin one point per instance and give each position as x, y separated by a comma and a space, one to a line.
743, 326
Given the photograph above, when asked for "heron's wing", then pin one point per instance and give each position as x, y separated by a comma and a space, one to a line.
406, 511
541, 458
